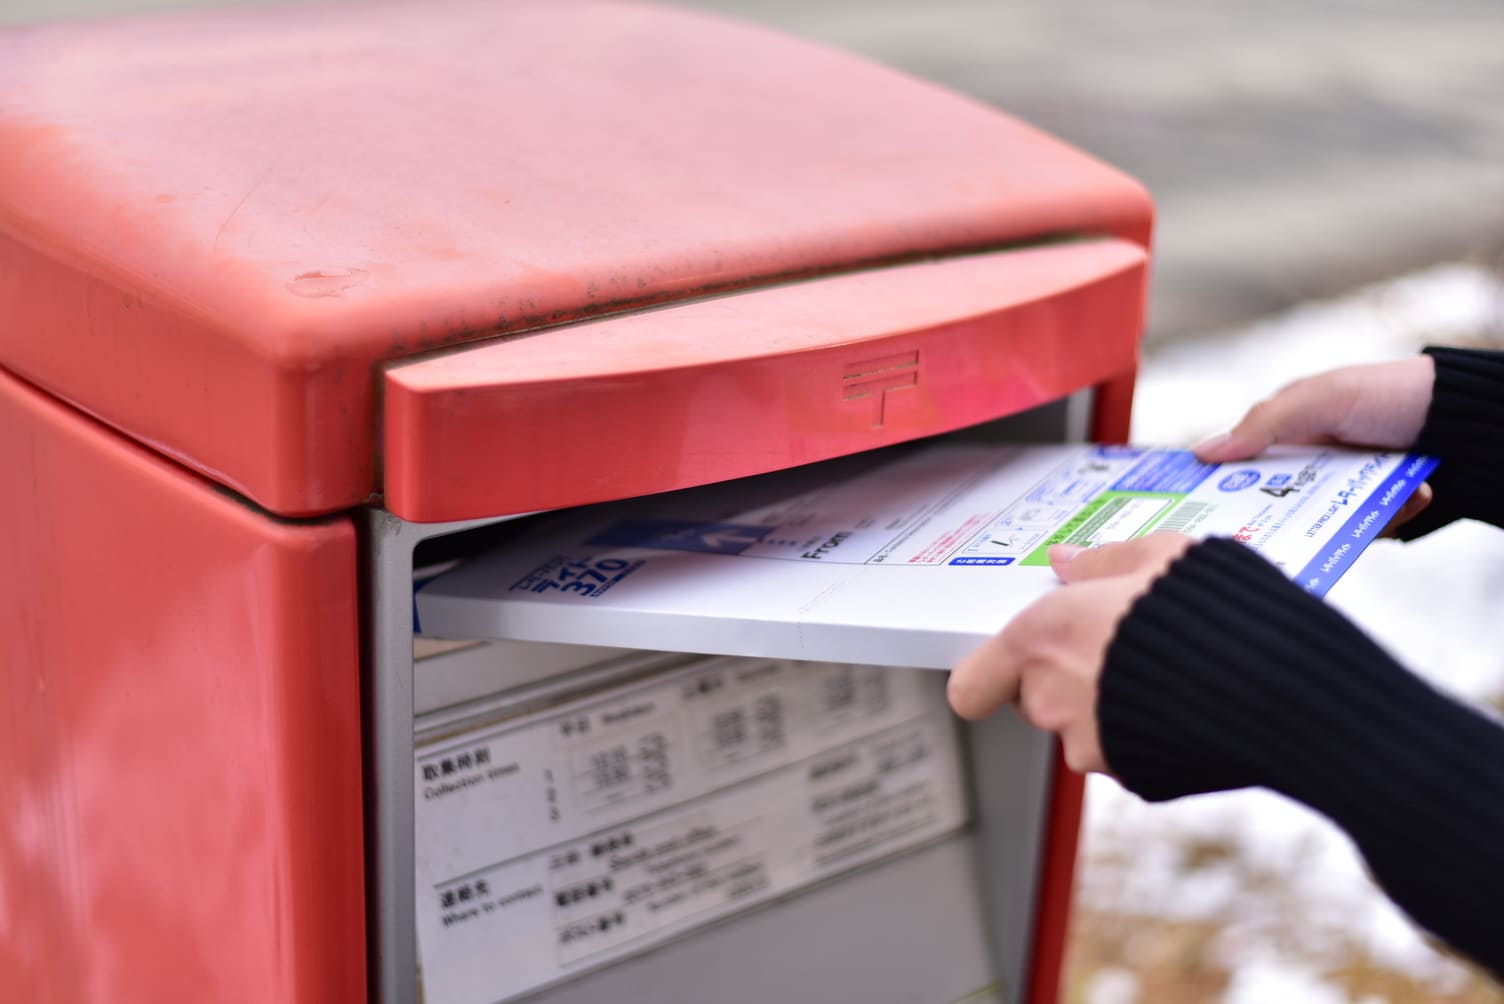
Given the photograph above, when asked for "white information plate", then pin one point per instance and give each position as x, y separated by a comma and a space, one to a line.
911, 562
554, 840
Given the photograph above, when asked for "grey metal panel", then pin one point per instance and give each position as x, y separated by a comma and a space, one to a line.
489, 668
903, 931
1011, 770
1060, 421
388, 635
388, 579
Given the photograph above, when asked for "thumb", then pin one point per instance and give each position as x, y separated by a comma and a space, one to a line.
1143, 554
1306, 411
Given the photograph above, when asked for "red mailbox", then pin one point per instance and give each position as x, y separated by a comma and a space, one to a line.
295, 302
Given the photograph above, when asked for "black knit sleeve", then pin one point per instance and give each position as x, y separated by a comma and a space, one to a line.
1226, 675
1465, 428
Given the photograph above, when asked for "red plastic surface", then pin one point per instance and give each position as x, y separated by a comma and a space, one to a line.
757, 381
214, 226
180, 793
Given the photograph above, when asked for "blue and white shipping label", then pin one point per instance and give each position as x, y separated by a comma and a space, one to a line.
1331, 506
907, 562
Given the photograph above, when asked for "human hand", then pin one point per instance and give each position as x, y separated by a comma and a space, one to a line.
1381, 405
1048, 659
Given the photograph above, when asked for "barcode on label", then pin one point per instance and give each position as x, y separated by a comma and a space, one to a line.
1182, 519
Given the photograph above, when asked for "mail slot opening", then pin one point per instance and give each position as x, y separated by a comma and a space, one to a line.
587, 816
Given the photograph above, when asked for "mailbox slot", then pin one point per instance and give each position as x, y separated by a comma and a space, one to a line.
960, 899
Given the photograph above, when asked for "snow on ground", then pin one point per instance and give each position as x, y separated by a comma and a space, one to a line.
1247, 898
1190, 389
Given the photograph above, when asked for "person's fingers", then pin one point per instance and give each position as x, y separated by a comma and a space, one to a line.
1143, 554
990, 676
986, 679
1082, 745
1379, 404
1413, 507
1306, 411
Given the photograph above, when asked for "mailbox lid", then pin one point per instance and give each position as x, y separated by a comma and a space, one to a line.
757, 381
215, 227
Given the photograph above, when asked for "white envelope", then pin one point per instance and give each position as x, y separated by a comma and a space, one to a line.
910, 557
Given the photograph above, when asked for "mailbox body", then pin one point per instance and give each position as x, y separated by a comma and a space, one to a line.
284, 296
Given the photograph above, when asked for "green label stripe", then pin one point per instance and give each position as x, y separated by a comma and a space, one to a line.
1083, 527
